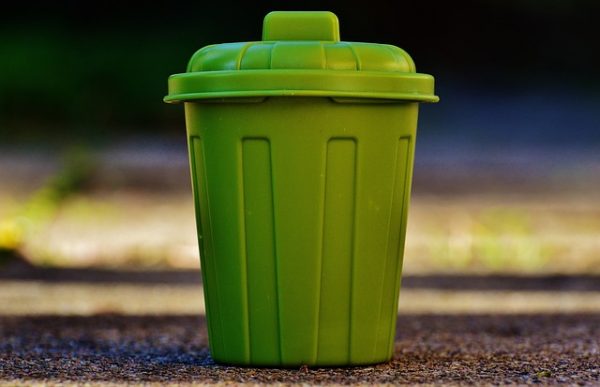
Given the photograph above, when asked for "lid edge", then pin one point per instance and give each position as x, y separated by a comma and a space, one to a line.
177, 98
365, 84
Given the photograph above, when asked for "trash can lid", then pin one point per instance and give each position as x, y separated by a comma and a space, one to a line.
301, 55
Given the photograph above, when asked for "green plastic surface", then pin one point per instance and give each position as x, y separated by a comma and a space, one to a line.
301, 206
301, 55
301, 25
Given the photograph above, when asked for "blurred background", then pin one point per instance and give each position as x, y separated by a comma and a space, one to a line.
93, 165
99, 264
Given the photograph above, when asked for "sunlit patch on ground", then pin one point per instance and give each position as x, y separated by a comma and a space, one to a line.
522, 234
34, 298
456, 234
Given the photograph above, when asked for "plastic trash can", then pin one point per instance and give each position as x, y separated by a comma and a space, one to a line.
301, 152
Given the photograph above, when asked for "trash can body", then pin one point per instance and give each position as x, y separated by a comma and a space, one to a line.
301, 209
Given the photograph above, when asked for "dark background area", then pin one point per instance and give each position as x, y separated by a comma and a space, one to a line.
518, 72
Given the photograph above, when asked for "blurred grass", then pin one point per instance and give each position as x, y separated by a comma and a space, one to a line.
122, 229
21, 221
483, 234
526, 234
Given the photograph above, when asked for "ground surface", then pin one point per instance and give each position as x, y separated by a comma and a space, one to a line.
429, 349
123, 327
522, 215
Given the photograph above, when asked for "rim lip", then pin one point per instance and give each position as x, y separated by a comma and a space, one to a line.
200, 85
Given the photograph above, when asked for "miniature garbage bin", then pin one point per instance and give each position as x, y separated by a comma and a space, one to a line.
301, 151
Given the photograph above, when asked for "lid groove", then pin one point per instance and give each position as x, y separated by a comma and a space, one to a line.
242, 53
356, 57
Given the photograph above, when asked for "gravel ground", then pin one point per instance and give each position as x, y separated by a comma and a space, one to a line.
430, 349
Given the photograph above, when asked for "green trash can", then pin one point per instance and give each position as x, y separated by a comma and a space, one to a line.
301, 152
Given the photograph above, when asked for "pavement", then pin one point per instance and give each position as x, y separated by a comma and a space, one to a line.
103, 327
430, 349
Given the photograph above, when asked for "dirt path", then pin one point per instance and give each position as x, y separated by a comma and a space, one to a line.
429, 349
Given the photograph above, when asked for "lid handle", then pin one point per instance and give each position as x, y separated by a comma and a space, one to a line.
301, 25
